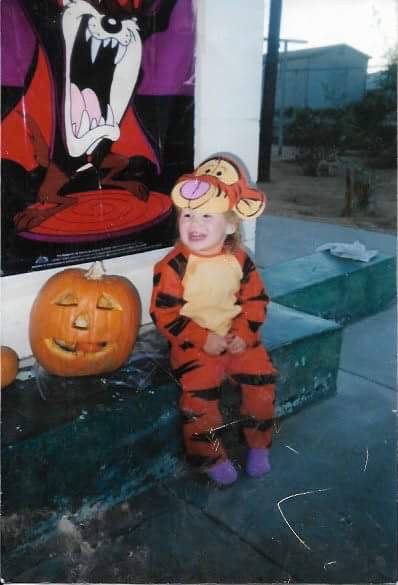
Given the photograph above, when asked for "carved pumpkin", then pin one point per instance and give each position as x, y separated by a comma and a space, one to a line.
84, 322
9, 365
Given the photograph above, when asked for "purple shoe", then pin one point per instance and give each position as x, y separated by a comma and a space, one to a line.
223, 473
258, 462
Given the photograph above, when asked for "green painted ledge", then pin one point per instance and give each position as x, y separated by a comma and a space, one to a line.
94, 442
333, 288
306, 352
81, 456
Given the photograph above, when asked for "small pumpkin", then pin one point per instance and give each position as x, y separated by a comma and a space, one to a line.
84, 322
9, 365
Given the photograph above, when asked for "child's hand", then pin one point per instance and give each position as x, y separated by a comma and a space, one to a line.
235, 344
215, 344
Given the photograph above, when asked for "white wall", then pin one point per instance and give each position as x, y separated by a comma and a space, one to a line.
227, 110
228, 83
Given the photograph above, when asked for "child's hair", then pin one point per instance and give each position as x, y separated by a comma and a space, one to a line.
232, 241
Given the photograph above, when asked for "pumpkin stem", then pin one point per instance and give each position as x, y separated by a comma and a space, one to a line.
95, 272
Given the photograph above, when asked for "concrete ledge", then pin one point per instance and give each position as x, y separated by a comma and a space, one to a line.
78, 446
306, 351
333, 288
82, 456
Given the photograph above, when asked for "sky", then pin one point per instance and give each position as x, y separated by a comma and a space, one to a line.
367, 25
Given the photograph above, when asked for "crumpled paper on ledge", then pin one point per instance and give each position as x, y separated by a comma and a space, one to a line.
355, 251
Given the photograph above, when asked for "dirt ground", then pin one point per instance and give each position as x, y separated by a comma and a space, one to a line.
292, 194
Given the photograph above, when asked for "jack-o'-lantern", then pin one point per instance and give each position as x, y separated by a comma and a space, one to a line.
9, 365
84, 322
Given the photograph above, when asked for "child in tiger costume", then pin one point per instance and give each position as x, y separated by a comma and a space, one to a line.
208, 300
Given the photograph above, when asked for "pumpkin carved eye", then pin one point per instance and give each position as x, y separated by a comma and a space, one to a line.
107, 302
67, 299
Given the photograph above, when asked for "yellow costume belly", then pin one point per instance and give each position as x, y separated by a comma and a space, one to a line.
210, 288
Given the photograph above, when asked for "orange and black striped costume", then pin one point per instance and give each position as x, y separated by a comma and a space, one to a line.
201, 374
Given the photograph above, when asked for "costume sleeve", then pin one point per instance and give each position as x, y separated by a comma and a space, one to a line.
166, 302
254, 300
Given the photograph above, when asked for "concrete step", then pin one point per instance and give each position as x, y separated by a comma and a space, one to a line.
333, 288
78, 446
90, 445
305, 349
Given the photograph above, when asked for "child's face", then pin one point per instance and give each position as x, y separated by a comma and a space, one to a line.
203, 233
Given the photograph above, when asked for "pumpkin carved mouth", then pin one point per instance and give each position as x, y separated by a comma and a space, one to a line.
67, 347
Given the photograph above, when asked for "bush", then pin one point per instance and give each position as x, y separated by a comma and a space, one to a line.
369, 125
318, 135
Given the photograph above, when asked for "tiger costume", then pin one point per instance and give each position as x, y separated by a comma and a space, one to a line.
185, 319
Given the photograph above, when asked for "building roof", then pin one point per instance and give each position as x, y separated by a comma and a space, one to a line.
303, 53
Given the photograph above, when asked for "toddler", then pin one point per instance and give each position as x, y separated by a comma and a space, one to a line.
208, 300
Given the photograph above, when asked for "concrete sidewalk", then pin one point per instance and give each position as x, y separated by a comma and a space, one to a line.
325, 514
281, 238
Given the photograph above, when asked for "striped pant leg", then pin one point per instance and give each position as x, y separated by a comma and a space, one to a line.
200, 377
253, 370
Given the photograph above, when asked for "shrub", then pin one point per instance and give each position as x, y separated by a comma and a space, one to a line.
369, 125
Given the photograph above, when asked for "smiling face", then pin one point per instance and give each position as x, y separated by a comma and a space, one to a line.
81, 327
204, 233
103, 58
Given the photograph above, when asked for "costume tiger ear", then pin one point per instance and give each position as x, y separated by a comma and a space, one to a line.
217, 185
251, 204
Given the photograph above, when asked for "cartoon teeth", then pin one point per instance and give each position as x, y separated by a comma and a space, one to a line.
84, 124
96, 44
110, 119
86, 112
120, 53
103, 58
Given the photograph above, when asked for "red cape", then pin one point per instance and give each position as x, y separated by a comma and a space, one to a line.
38, 101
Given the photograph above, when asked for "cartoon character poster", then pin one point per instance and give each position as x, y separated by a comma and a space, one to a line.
97, 124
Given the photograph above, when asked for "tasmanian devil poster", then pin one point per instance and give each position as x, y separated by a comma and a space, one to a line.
97, 124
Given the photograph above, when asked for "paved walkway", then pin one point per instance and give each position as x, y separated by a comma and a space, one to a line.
281, 238
326, 513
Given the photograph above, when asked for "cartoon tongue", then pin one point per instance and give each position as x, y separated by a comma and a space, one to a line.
85, 109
